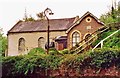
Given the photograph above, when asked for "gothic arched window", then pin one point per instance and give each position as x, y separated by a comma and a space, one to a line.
87, 37
75, 38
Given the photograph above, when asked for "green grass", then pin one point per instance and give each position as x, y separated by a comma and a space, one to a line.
111, 42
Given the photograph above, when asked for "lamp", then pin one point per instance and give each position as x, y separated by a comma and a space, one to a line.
49, 11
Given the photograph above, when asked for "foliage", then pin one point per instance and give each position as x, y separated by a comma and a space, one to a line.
53, 61
53, 51
100, 58
104, 58
41, 16
8, 64
65, 51
28, 64
67, 59
111, 42
36, 51
101, 37
37, 59
30, 18
3, 44
112, 16
107, 18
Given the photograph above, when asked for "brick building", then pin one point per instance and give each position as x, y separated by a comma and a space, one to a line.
65, 33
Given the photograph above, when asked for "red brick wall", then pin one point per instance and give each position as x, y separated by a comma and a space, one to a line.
82, 28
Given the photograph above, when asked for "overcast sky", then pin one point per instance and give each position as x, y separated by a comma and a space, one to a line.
13, 10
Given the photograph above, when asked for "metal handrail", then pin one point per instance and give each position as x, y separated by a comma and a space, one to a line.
101, 42
94, 33
91, 37
99, 31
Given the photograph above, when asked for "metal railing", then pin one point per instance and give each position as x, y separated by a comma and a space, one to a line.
101, 42
88, 41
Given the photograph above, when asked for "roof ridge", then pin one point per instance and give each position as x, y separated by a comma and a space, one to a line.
62, 18
40, 25
51, 19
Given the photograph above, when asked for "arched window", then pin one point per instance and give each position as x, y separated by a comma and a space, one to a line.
87, 37
41, 42
75, 38
21, 45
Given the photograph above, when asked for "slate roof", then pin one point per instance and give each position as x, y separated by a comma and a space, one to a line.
65, 24
41, 25
61, 38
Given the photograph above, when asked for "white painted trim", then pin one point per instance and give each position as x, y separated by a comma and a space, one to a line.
85, 35
72, 34
101, 42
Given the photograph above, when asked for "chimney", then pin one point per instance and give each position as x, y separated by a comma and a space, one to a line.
76, 18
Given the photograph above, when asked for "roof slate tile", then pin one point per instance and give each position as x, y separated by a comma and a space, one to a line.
41, 25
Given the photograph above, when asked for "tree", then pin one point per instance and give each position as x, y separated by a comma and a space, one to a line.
30, 18
113, 16
3, 43
107, 18
41, 16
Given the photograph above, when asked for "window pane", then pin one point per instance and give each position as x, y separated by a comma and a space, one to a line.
75, 38
74, 44
77, 35
78, 39
21, 45
41, 42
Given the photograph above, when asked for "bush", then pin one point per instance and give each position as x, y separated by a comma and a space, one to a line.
65, 51
8, 65
100, 58
102, 36
53, 61
36, 51
53, 51
27, 64
104, 58
113, 42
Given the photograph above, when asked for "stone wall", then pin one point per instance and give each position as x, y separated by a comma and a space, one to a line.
111, 72
31, 40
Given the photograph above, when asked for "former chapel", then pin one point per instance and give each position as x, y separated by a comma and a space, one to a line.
64, 33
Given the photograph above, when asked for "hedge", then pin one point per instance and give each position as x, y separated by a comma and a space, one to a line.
100, 58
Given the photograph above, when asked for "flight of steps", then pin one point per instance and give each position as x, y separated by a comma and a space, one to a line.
85, 43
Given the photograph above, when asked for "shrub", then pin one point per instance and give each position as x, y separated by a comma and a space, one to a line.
53, 61
36, 51
8, 65
67, 58
65, 51
102, 36
103, 58
27, 64
113, 42
53, 51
